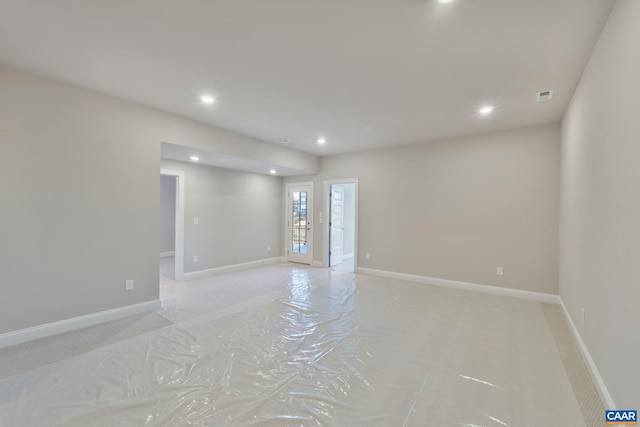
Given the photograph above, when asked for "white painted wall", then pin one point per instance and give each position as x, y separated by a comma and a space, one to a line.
80, 196
167, 213
600, 219
239, 215
457, 209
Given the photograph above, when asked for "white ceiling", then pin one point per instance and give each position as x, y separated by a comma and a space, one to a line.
361, 73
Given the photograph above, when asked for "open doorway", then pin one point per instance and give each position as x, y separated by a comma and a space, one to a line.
171, 224
342, 225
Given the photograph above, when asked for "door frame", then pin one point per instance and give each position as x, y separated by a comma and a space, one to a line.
326, 229
287, 219
179, 259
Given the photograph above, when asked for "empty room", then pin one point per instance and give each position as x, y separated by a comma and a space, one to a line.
293, 213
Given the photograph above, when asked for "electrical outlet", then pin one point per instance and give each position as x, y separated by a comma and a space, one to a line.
268, 247
196, 221
499, 271
128, 285
195, 258
367, 255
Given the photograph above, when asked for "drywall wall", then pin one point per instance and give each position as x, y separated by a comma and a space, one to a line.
600, 208
457, 209
79, 212
167, 213
349, 219
239, 215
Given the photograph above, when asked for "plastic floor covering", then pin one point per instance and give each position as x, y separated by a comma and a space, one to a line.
287, 345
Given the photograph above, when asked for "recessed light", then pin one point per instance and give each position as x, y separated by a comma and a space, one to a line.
273, 171
194, 158
321, 141
444, 1
486, 110
207, 99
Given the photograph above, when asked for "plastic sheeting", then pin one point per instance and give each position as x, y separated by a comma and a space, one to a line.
292, 346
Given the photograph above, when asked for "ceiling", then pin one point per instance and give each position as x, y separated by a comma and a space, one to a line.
359, 73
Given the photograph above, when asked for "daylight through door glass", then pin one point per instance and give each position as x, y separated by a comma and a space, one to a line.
299, 222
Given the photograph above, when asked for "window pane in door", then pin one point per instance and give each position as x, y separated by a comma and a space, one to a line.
299, 222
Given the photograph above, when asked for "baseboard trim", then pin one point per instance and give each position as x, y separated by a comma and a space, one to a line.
586, 356
496, 290
74, 323
167, 254
231, 268
318, 264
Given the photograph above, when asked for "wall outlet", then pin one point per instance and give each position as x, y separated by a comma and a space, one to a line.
367, 255
196, 221
582, 315
268, 248
128, 285
195, 258
499, 271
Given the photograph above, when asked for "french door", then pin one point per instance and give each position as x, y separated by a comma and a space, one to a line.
299, 222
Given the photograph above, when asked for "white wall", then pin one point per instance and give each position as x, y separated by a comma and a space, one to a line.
457, 209
167, 213
79, 211
600, 220
239, 215
349, 219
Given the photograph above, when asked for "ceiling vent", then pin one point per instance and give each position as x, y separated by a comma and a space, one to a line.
545, 95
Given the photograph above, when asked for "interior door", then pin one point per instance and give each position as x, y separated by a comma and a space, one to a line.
336, 225
299, 223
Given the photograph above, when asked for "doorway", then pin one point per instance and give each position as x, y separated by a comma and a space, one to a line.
172, 181
299, 222
342, 224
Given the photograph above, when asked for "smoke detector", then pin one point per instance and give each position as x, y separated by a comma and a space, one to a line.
545, 95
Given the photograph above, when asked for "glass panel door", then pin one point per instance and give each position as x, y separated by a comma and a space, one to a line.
299, 216
299, 222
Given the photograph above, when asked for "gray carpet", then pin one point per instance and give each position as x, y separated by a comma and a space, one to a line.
21, 358
579, 376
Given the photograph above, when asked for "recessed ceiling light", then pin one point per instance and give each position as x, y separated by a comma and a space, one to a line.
207, 99
486, 110
194, 158
273, 171
321, 141
444, 1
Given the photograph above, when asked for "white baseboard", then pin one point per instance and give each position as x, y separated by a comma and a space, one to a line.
231, 268
319, 264
167, 254
593, 370
67, 325
496, 290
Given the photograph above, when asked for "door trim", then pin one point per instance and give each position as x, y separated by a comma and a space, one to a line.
326, 230
310, 216
179, 260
